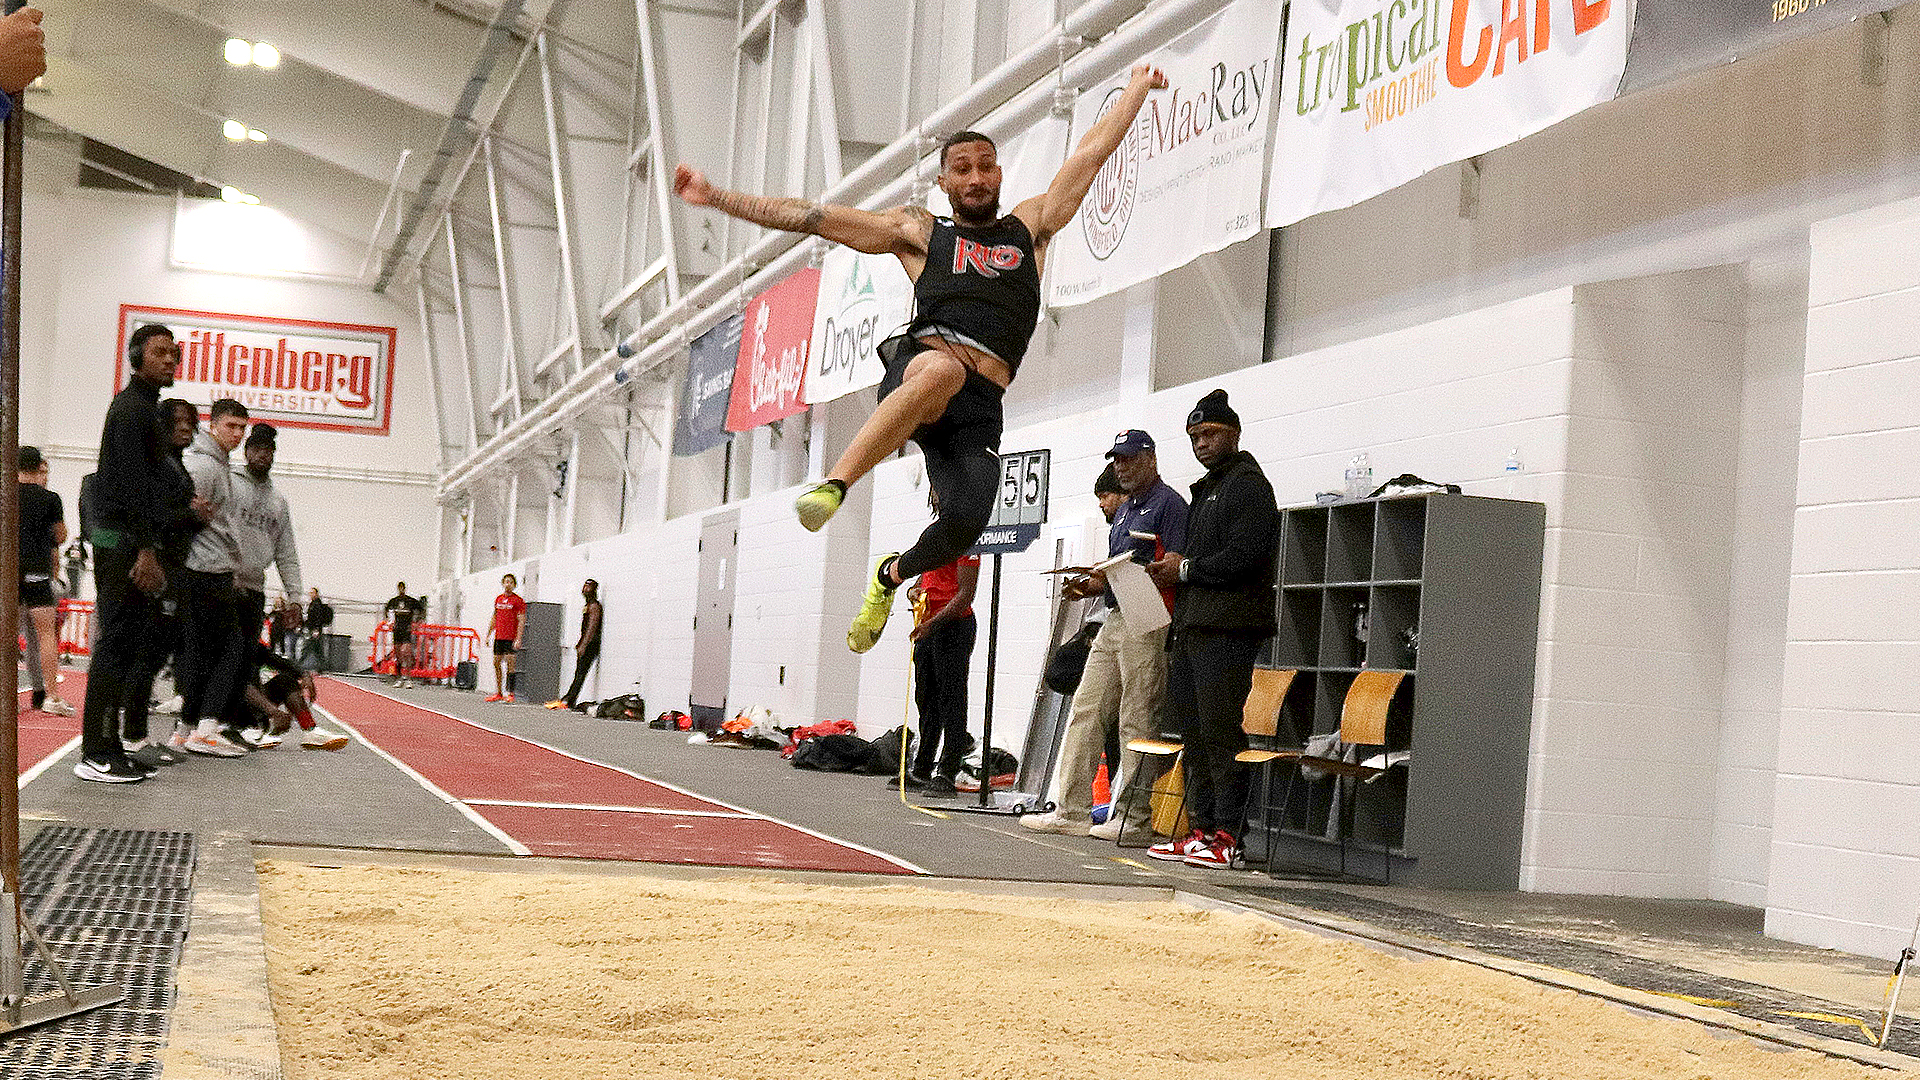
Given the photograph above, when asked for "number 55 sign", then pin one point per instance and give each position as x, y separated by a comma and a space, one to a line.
1020, 506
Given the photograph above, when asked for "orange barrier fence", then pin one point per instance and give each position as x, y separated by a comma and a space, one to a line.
76, 628
437, 650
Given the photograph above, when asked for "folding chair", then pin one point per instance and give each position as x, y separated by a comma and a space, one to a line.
1363, 725
1259, 718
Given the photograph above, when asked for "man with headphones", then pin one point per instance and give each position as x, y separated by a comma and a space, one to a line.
128, 522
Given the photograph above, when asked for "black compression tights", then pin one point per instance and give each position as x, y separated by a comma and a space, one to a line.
964, 483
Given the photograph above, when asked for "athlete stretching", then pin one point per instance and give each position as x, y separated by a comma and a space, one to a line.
976, 291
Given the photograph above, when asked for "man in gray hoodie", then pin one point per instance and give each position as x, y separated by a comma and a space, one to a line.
209, 666
264, 528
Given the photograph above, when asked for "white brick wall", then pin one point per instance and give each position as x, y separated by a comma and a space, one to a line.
1845, 862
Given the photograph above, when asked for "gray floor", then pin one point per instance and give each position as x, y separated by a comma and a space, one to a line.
356, 800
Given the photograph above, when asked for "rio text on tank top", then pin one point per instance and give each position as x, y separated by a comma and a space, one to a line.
983, 282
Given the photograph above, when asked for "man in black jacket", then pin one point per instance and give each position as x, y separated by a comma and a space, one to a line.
1223, 611
127, 576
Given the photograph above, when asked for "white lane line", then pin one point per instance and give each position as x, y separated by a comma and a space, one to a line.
469, 812
662, 811
895, 860
47, 762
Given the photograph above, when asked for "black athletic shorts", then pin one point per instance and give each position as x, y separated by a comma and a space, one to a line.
34, 594
503, 646
281, 687
974, 418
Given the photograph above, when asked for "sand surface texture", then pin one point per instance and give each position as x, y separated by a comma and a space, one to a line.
415, 974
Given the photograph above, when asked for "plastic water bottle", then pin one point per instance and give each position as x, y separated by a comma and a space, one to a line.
1511, 470
1359, 477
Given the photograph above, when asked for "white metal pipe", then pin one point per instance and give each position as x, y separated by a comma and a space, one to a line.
386, 207
777, 254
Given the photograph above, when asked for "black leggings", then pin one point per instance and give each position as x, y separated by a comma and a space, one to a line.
962, 451
940, 662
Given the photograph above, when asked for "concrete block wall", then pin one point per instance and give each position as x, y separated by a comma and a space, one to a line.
1845, 867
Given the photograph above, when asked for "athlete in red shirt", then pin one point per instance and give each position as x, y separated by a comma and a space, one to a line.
509, 619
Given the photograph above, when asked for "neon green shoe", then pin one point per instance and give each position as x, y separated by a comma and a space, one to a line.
875, 608
817, 505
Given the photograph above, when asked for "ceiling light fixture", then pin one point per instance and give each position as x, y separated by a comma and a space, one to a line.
265, 56
256, 135
235, 195
234, 130
239, 52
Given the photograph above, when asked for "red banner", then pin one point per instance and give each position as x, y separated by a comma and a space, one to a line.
770, 376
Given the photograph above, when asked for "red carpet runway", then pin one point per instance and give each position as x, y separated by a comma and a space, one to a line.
44, 738
541, 801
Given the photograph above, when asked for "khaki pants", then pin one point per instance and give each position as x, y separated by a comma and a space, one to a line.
1125, 680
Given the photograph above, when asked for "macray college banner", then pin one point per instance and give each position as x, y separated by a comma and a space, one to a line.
863, 299
1187, 178
1378, 92
772, 370
292, 372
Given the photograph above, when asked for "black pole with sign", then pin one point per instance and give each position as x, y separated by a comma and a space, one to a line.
1014, 526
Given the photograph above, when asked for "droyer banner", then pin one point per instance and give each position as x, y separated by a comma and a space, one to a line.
863, 300
1186, 180
1378, 92
292, 372
770, 377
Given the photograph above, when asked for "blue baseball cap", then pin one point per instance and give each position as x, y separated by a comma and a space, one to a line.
1130, 442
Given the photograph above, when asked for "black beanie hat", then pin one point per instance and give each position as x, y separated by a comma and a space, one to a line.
1108, 483
263, 433
1213, 409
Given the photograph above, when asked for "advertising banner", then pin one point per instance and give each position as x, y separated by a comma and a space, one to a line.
863, 299
291, 372
1378, 92
1187, 178
701, 422
771, 373
1674, 37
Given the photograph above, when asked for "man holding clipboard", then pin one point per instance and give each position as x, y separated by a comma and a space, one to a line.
1126, 673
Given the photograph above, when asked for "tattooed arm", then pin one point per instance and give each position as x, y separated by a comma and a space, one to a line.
902, 231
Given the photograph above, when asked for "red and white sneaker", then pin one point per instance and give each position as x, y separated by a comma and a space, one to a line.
1219, 852
1178, 850
494, 697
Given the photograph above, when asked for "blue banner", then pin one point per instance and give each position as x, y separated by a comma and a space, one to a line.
702, 421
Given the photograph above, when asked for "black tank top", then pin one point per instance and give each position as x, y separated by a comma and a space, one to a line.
981, 281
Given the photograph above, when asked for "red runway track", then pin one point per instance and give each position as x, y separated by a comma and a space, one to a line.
43, 735
542, 801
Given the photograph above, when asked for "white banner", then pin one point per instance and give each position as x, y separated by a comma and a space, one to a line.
863, 298
1378, 92
1187, 178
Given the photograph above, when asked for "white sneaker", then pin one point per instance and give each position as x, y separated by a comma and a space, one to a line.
171, 706
214, 745
56, 707
322, 739
178, 740
262, 739
1052, 822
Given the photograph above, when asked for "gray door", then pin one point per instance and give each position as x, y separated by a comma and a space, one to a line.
713, 612
538, 666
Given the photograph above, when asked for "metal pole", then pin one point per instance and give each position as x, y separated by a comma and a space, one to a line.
986, 727
12, 991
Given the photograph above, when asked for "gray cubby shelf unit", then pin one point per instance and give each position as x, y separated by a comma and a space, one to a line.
1358, 580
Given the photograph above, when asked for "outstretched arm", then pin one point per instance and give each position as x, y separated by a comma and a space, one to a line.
902, 230
1048, 214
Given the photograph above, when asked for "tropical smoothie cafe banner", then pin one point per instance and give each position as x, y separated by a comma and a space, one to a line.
1187, 177
1676, 37
701, 422
1378, 92
291, 372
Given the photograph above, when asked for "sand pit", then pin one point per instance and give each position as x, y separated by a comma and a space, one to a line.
416, 974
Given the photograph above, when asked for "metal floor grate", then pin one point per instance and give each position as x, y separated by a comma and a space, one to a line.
113, 904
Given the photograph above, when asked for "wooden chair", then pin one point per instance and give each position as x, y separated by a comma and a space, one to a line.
1363, 726
1259, 718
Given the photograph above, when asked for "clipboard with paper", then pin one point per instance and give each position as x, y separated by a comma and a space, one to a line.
1138, 596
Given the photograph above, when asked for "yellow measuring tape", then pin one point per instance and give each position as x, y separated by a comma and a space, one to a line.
906, 712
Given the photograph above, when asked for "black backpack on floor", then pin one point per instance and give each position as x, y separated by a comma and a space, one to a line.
833, 753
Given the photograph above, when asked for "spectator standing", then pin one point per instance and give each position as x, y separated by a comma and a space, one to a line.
1222, 613
587, 649
182, 515
509, 620
402, 612
213, 616
127, 575
1125, 678
263, 528
944, 631
318, 617
43, 528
